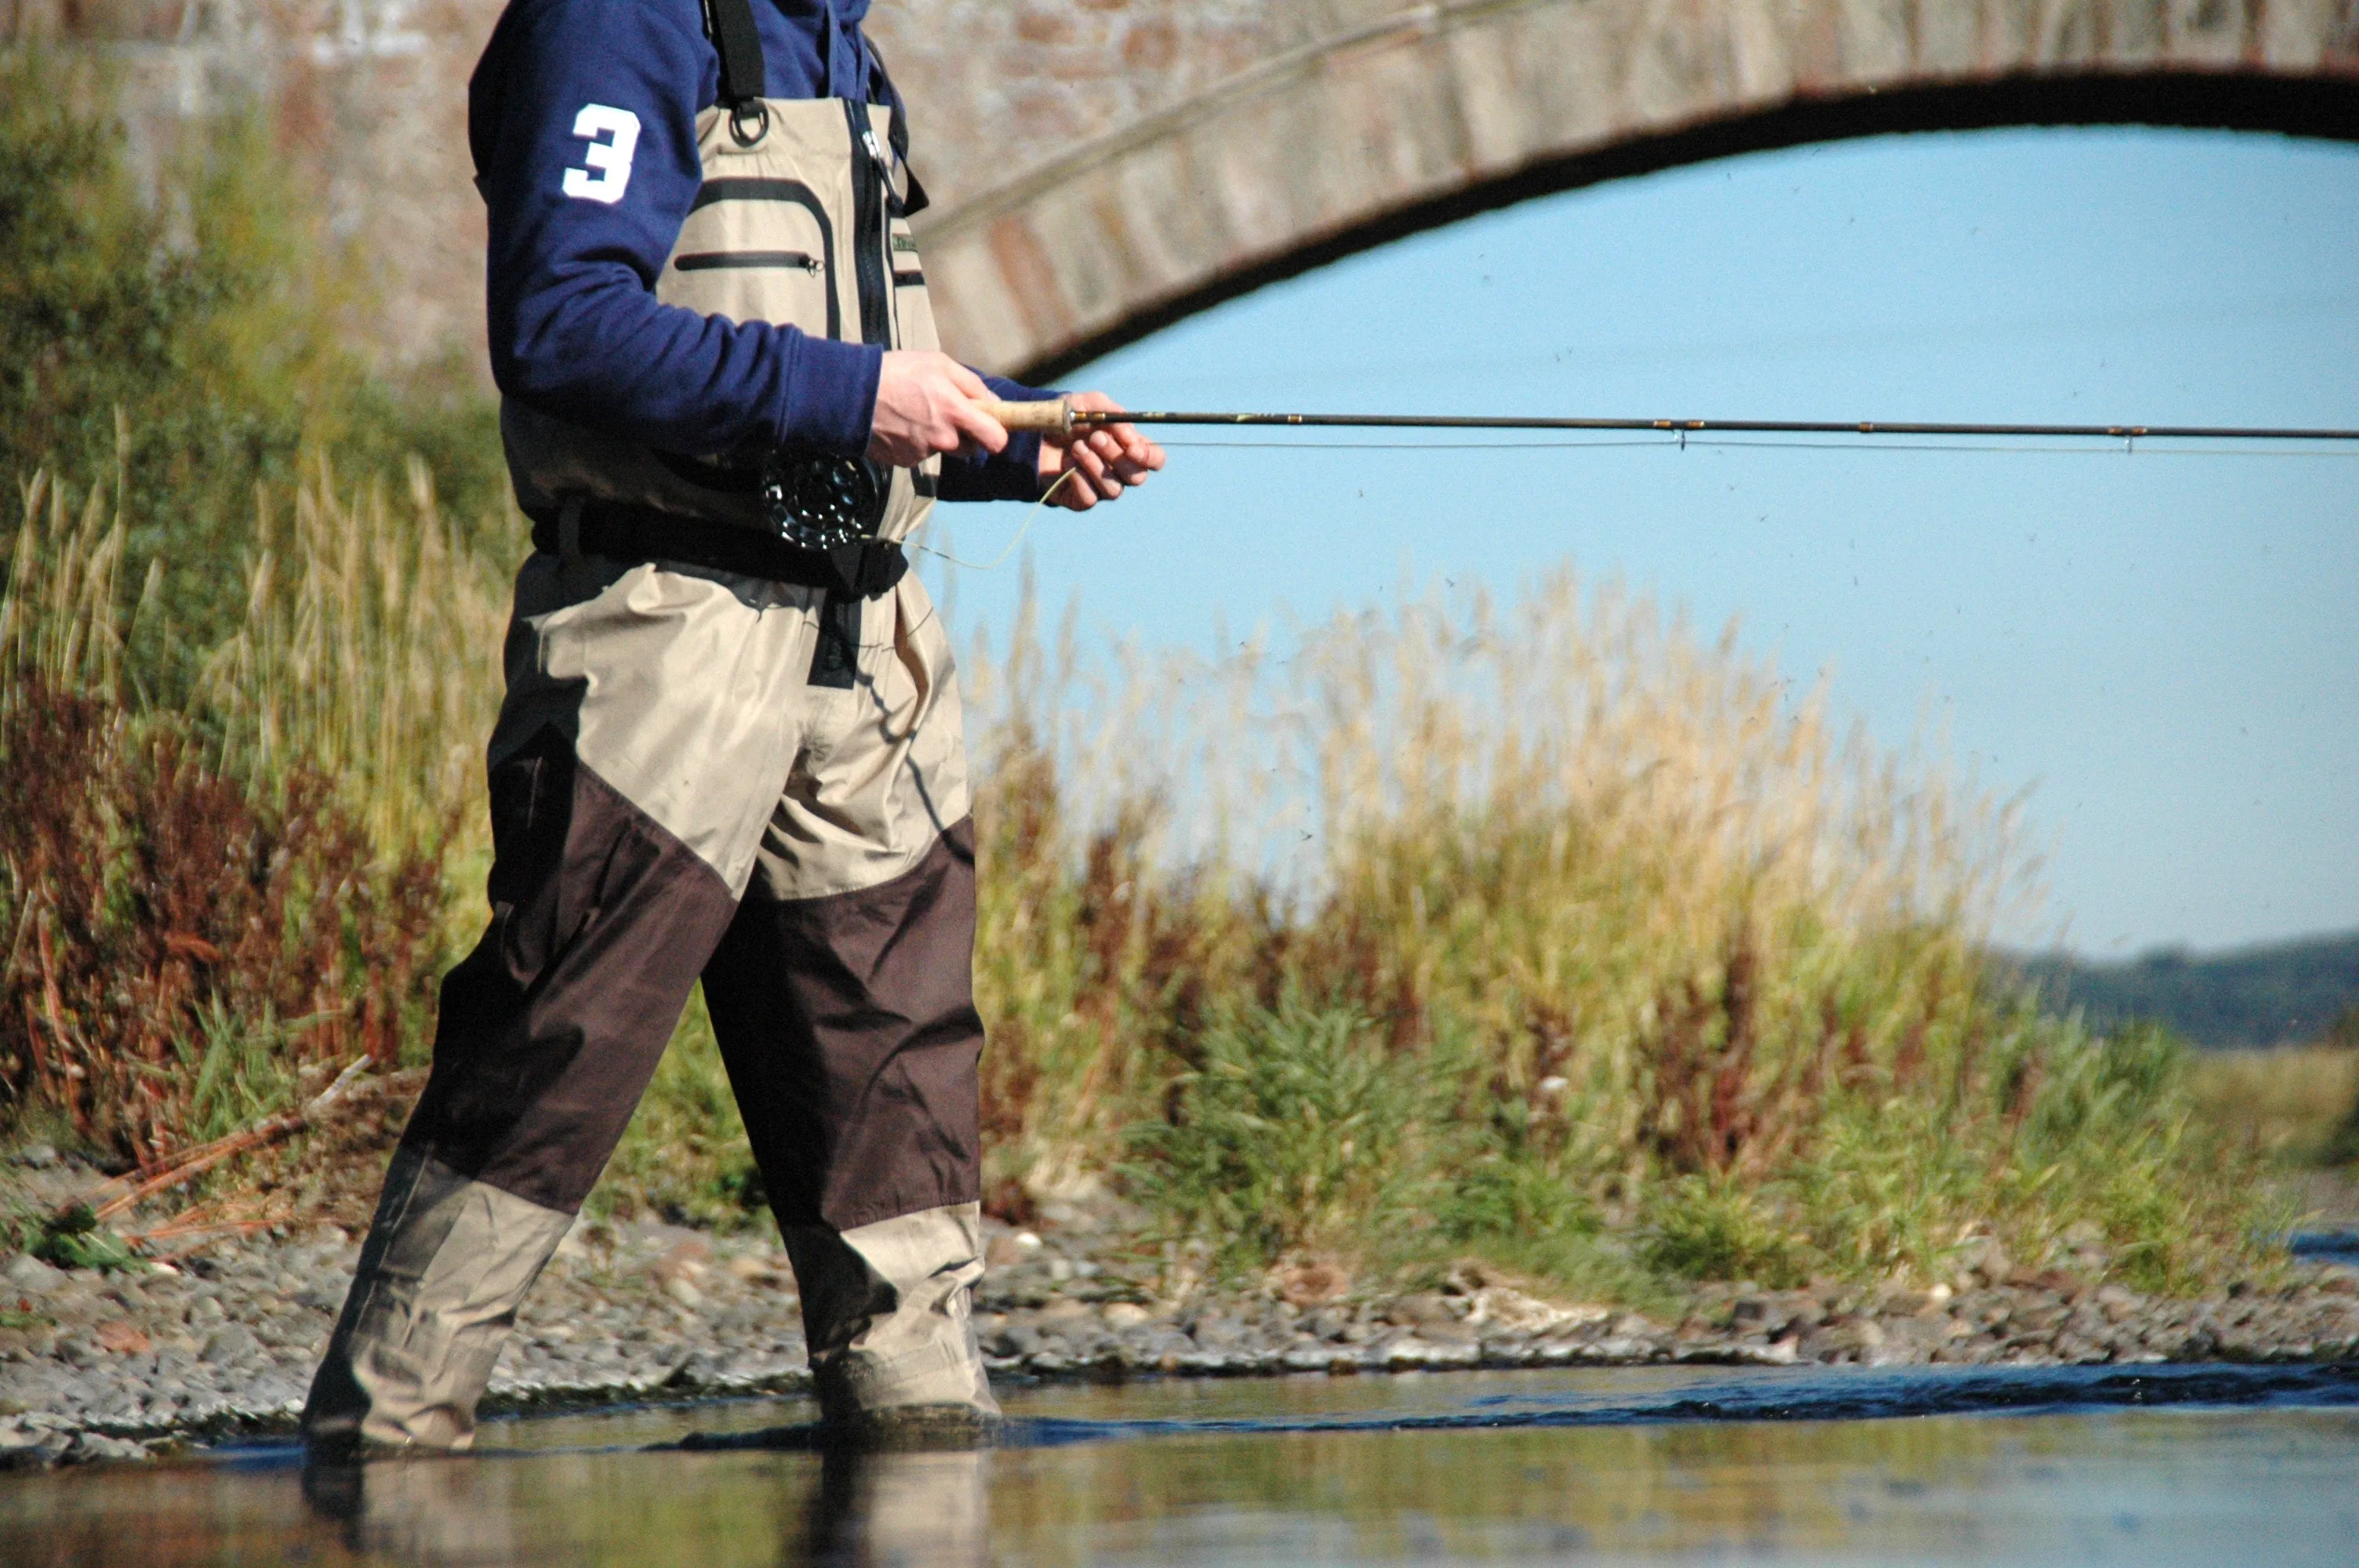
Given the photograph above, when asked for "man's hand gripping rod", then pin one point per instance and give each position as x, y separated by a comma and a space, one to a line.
1057, 417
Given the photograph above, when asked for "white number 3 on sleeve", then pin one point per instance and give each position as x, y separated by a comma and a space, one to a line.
610, 161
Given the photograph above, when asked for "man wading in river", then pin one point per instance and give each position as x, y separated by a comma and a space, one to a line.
730, 746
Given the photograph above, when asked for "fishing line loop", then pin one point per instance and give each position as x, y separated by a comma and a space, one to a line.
997, 561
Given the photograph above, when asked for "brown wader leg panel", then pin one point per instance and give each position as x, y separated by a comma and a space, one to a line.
606, 901
849, 1028
550, 1032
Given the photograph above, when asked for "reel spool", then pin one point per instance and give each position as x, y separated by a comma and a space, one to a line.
819, 500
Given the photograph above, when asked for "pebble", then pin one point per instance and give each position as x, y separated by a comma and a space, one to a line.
27, 1273
230, 1346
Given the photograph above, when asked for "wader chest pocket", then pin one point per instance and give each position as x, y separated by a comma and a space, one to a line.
757, 249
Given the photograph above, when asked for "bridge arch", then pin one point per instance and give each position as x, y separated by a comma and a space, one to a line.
1447, 110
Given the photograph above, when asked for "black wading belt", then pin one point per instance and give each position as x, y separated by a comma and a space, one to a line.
850, 574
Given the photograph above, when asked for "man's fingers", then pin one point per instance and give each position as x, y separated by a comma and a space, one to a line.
1134, 447
1102, 460
965, 380
1096, 453
972, 424
1129, 461
1104, 476
1083, 457
1073, 492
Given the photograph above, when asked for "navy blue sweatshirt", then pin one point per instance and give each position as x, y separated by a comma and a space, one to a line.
580, 227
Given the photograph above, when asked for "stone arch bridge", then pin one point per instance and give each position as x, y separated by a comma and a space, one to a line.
1102, 168
1441, 111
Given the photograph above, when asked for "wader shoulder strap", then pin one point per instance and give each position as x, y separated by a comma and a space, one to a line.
882, 90
729, 25
744, 79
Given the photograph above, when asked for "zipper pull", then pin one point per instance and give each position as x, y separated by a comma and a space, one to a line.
883, 164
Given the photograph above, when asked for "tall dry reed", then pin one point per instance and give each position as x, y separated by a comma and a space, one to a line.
370, 651
209, 893
1685, 963
1583, 832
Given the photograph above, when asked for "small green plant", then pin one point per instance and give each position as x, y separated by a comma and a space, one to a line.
1702, 1228
1297, 1132
245, 1067
76, 1241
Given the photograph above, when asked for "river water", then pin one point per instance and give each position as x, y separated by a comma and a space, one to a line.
2148, 1466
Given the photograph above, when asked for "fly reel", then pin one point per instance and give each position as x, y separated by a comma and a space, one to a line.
820, 501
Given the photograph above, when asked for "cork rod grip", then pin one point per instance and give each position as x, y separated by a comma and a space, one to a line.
1054, 418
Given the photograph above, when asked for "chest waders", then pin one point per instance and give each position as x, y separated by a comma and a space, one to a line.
722, 758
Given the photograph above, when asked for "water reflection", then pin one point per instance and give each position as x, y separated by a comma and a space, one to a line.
1301, 1471
842, 1509
873, 1511
440, 1511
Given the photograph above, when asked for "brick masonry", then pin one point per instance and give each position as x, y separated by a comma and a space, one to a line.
1102, 164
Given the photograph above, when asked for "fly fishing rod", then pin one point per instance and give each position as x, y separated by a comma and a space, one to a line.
1059, 417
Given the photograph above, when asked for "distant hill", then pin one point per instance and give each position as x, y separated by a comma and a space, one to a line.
2283, 994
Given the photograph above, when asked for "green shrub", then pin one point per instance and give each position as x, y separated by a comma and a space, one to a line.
1706, 1229
207, 317
1297, 1132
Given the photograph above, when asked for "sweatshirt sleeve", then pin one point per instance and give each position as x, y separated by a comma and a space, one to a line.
582, 116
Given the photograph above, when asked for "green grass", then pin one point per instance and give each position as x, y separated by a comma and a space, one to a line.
1700, 1227
1295, 1133
2296, 1106
1301, 1135
241, 1068
685, 1157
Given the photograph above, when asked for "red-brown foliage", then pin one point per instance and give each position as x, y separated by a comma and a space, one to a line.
145, 890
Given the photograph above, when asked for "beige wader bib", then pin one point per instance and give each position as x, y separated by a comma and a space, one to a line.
697, 774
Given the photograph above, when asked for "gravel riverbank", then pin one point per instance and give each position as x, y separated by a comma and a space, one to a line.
128, 1365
